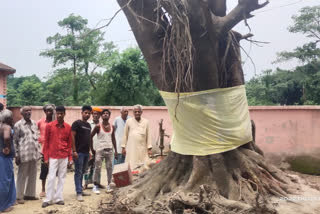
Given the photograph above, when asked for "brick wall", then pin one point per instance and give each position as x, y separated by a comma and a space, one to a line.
3, 88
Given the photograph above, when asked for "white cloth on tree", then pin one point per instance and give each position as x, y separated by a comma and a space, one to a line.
208, 122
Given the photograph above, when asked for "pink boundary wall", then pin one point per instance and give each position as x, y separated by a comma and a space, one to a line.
279, 129
288, 130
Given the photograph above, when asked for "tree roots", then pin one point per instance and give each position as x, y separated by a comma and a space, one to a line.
238, 181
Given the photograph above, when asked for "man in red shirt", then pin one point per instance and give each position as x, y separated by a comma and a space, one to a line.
57, 151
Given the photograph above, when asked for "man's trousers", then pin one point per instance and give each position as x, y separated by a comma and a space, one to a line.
56, 194
27, 171
106, 154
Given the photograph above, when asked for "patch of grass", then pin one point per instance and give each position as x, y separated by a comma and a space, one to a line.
304, 164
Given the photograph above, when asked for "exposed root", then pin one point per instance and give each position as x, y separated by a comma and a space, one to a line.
238, 181
206, 201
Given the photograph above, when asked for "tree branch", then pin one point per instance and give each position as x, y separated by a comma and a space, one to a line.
143, 16
86, 68
218, 7
240, 12
211, 20
238, 36
104, 26
314, 34
246, 36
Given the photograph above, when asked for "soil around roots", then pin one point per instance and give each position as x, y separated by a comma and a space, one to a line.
238, 181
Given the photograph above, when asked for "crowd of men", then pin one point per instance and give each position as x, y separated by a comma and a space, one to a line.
85, 143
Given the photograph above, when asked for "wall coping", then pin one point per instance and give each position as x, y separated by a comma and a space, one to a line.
305, 107
108, 107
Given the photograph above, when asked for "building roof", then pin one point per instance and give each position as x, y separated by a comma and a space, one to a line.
6, 69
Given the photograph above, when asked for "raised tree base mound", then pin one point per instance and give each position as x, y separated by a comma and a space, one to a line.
238, 181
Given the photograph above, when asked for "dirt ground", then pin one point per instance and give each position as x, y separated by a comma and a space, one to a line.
91, 203
307, 202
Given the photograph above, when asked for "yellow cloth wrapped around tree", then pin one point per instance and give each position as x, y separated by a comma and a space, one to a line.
209, 122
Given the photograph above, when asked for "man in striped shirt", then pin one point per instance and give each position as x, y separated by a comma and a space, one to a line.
27, 148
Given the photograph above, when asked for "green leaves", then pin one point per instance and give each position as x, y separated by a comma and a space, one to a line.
305, 54
76, 50
282, 87
73, 23
87, 71
123, 79
299, 86
307, 22
127, 81
24, 91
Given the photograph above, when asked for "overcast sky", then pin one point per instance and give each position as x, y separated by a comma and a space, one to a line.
25, 25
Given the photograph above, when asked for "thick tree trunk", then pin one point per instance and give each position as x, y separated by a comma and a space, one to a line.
189, 45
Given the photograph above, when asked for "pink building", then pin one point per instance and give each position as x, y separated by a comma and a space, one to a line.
4, 72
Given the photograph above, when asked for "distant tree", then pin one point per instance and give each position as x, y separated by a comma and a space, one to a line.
59, 88
310, 82
25, 91
78, 51
122, 79
301, 84
307, 22
258, 90
126, 82
281, 87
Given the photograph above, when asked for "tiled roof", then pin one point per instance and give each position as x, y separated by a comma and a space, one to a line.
7, 69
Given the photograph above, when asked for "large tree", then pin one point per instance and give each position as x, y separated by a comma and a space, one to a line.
189, 46
79, 50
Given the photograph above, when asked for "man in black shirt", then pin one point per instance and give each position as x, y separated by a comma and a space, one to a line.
81, 131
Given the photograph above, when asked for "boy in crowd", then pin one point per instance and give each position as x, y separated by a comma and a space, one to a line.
81, 131
104, 149
42, 124
88, 176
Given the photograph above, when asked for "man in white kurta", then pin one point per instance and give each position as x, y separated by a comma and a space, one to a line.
136, 143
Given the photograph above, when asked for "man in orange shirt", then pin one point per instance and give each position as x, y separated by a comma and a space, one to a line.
42, 124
